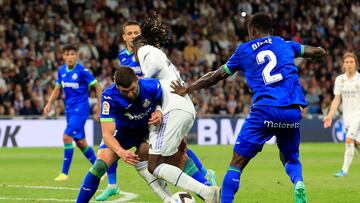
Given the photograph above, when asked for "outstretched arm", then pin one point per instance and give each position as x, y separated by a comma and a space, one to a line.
207, 80
334, 105
313, 52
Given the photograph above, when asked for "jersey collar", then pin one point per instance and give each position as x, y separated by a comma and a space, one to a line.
67, 69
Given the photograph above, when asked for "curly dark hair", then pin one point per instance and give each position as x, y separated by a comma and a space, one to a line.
152, 33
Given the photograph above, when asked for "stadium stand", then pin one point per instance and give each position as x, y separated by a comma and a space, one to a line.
202, 34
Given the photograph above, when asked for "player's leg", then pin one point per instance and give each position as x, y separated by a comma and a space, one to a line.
91, 181
165, 144
158, 187
68, 154
112, 188
77, 127
209, 174
288, 141
351, 136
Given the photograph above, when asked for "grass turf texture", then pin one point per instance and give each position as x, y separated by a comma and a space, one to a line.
264, 179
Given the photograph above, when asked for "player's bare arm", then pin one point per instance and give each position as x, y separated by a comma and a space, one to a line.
313, 52
108, 130
207, 80
334, 105
99, 90
54, 95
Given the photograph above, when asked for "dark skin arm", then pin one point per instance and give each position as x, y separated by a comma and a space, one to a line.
313, 52
207, 80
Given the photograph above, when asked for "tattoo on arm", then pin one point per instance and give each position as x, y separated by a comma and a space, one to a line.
209, 79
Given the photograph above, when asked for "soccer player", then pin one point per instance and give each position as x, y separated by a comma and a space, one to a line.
129, 105
347, 89
75, 79
268, 64
130, 29
179, 115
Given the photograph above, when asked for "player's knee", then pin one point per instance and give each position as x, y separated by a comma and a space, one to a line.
81, 144
143, 151
151, 167
99, 168
67, 139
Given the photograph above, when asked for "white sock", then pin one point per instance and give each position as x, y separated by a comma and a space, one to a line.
177, 177
112, 185
164, 186
152, 181
348, 157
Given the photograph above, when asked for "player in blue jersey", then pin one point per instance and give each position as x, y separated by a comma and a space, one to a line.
75, 79
129, 105
131, 29
268, 64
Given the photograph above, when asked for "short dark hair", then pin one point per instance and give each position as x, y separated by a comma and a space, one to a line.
124, 76
128, 23
261, 22
69, 47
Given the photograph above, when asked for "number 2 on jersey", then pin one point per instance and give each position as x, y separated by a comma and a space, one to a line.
260, 58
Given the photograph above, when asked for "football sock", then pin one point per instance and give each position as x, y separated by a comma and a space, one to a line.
294, 170
111, 172
152, 181
91, 181
178, 178
197, 162
231, 184
89, 154
191, 169
348, 156
68, 154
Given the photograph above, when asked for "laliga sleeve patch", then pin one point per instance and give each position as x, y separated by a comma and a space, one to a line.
105, 108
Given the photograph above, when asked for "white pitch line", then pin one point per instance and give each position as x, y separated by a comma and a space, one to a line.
127, 195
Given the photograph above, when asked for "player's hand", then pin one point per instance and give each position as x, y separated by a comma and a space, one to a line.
178, 88
327, 121
129, 157
47, 109
156, 117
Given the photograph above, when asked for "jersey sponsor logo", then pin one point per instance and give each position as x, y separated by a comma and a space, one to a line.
74, 76
146, 103
272, 124
139, 116
105, 108
338, 132
73, 85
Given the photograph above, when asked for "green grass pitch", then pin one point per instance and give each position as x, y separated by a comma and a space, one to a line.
24, 170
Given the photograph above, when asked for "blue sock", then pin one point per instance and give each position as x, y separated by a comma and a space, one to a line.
230, 184
111, 172
191, 170
89, 154
294, 170
197, 162
68, 154
91, 181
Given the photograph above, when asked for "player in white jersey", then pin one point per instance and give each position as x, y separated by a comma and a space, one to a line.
347, 90
179, 114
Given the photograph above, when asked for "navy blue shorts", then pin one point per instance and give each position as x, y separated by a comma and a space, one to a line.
264, 122
75, 127
130, 137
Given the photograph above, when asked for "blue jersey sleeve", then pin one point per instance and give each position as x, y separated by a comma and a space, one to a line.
158, 91
108, 109
88, 77
58, 82
233, 64
296, 47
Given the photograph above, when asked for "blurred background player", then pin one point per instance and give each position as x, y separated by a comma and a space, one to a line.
75, 79
268, 64
129, 105
179, 115
347, 90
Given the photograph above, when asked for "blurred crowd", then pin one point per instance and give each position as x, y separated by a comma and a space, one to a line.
203, 35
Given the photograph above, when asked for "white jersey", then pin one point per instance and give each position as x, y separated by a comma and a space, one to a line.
349, 89
155, 64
